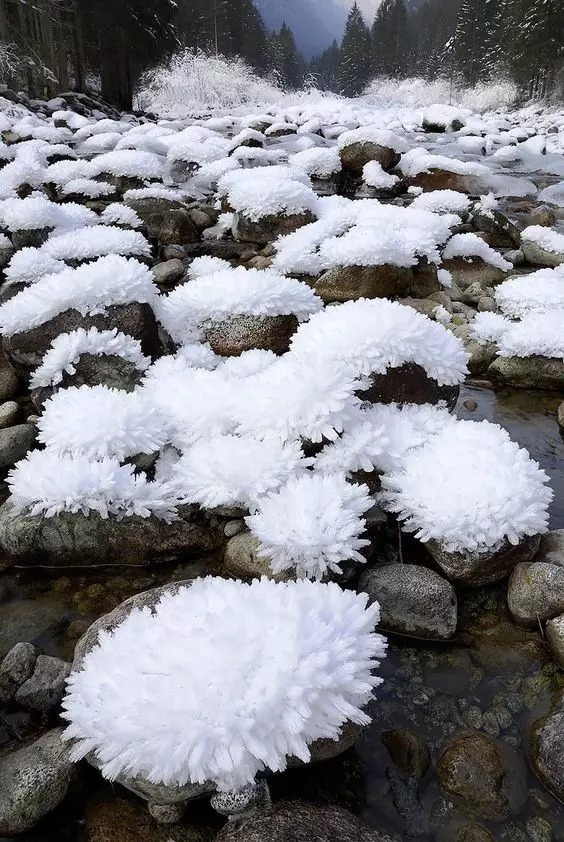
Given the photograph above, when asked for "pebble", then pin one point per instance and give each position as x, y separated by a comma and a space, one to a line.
8, 414
9, 383
15, 443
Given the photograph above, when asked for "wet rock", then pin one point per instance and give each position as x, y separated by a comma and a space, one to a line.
539, 256
15, 443
9, 383
533, 372
473, 833
503, 233
16, 668
466, 273
544, 216
408, 383
44, 689
147, 207
474, 768
547, 751
297, 822
26, 350
356, 155
169, 272
470, 405
28, 620
76, 539
269, 227
536, 593
119, 820
486, 304
33, 781
437, 179
171, 227
407, 751
233, 336
539, 829
405, 796
413, 600
349, 283
551, 548
8, 414
241, 559
481, 356
467, 568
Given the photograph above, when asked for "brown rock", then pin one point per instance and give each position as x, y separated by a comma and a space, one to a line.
231, 337
120, 820
349, 283
408, 383
486, 568
269, 227
171, 227
407, 751
356, 155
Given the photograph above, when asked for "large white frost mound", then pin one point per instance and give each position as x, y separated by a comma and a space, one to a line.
373, 134
371, 336
470, 246
470, 489
312, 524
545, 238
98, 241
268, 191
541, 291
224, 679
537, 333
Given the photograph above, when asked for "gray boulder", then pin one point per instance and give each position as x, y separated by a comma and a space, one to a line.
171, 227
297, 822
466, 273
356, 155
413, 600
15, 442
16, 668
33, 781
554, 632
539, 256
9, 412
9, 383
231, 337
241, 559
268, 228
79, 540
547, 751
536, 593
349, 283
467, 568
551, 548
169, 272
44, 689
533, 372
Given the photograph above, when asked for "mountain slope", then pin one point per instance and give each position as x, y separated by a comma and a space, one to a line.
315, 23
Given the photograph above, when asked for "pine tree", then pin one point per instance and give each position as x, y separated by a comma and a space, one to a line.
285, 61
538, 44
480, 48
325, 68
390, 39
354, 64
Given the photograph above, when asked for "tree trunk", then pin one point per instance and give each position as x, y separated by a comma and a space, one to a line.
115, 70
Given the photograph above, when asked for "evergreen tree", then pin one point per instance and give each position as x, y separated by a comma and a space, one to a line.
354, 63
325, 68
390, 40
538, 45
480, 48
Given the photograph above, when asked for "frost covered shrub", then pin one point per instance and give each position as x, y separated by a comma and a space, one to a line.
235, 471
224, 294
67, 348
231, 679
371, 336
97, 421
47, 483
537, 333
90, 289
268, 191
541, 291
312, 524
502, 497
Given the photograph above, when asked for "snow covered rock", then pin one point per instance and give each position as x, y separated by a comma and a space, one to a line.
413, 600
360, 146
349, 283
440, 118
477, 569
543, 246
33, 781
430, 172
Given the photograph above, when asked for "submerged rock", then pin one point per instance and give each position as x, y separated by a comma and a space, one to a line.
547, 751
297, 822
536, 593
533, 372
120, 820
33, 781
468, 568
413, 600
407, 751
551, 548
77, 539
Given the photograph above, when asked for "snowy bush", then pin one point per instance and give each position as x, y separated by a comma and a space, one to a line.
371, 336
417, 92
227, 293
47, 483
502, 494
268, 191
225, 700
234, 471
67, 348
312, 524
97, 421
90, 289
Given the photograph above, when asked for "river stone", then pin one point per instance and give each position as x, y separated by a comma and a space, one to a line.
298, 822
503, 233
26, 350
9, 411
551, 548
15, 442
555, 637
232, 337
80, 540
408, 383
536, 593
148, 206
533, 372
355, 156
33, 781
94, 370
16, 668
560, 416
9, 383
407, 751
466, 568
119, 820
44, 689
482, 355
437, 179
269, 227
242, 560
169, 272
484, 774
413, 600
349, 283
466, 273
538, 256
171, 227
547, 751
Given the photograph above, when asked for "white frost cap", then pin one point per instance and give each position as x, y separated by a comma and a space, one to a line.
268, 191
235, 470
320, 161
97, 421
129, 163
546, 238
90, 289
541, 291
47, 483
67, 348
30, 264
535, 334
228, 293
442, 201
375, 176
495, 493
97, 241
230, 679
312, 524
371, 336
38, 212
373, 134
419, 160
470, 246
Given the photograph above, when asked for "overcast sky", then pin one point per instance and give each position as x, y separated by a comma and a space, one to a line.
368, 7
